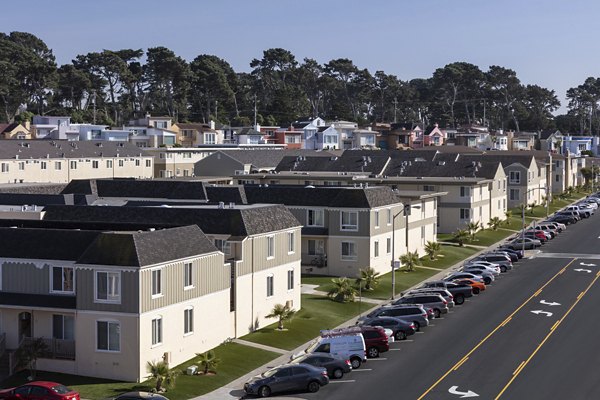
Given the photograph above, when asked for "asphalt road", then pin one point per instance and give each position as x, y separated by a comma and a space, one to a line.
531, 335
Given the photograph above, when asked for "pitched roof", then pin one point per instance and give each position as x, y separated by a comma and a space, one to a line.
132, 188
370, 165
37, 199
36, 149
268, 159
8, 127
348, 197
44, 244
442, 168
227, 194
140, 249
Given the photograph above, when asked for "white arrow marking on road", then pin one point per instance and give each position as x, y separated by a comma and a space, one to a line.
463, 395
549, 303
587, 265
582, 270
546, 313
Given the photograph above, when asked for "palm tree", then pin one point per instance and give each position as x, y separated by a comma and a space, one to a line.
208, 361
342, 290
508, 214
494, 223
532, 206
460, 236
432, 249
283, 312
472, 228
369, 277
410, 260
161, 373
29, 352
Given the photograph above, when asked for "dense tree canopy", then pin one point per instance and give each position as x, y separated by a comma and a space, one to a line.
113, 86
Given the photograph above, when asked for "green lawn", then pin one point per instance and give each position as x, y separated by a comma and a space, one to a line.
236, 360
452, 254
317, 313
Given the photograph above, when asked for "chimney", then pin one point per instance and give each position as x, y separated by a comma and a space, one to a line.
212, 124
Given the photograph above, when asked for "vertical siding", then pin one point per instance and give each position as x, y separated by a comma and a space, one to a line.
255, 252
25, 278
210, 275
129, 292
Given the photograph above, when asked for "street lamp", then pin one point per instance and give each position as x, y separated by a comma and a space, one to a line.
406, 211
523, 213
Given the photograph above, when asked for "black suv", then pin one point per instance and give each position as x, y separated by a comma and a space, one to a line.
460, 291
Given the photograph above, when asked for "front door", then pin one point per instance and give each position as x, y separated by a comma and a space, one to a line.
25, 325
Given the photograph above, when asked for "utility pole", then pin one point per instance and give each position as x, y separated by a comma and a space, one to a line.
255, 110
94, 103
395, 107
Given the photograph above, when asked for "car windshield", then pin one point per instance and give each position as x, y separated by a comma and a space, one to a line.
269, 373
60, 389
312, 346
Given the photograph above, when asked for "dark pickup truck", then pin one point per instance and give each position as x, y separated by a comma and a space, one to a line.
458, 290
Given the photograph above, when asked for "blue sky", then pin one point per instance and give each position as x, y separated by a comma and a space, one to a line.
551, 43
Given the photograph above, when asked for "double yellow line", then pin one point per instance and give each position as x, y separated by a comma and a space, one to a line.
503, 323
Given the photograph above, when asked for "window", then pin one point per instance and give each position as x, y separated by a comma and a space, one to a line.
223, 245
388, 245
291, 242
314, 217
389, 216
43, 165
210, 138
156, 282
73, 164
63, 327
422, 232
316, 247
465, 213
376, 219
515, 194
290, 279
188, 321
428, 188
465, 191
348, 251
57, 165
108, 336
121, 163
188, 280
21, 166
63, 279
109, 164
514, 177
269, 285
349, 220
108, 286
157, 331
270, 246
137, 162
4, 167
557, 178
148, 163
376, 248
95, 164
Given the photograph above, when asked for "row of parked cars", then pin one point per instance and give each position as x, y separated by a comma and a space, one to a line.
337, 352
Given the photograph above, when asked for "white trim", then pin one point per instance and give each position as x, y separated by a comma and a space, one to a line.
107, 300
51, 270
160, 331
108, 336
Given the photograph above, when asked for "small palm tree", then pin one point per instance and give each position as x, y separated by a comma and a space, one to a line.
342, 290
432, 249
161, 373
410, 260
28, 354
461, 236
532, 206
508, 214
283, 312
208, 361
472, 228
494, 223
369, 277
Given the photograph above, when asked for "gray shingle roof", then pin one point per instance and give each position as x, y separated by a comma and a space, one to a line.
268, 159
372, 165
36, 149
443, 168
227, 194
38, 300
44, 244
164, 189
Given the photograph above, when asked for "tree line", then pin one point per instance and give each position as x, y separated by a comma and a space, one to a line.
113, 86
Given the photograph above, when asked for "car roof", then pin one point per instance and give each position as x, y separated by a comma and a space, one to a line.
46, 384
143, 395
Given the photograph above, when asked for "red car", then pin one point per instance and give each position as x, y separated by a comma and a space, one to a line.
39, 390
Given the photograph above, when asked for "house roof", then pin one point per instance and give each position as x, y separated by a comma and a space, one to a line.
9, 127
194, 126
20, 199
140, 249
345, 197
37, 149
442, 168
238, 221
156, 188
38, 300
226, 194
269, 159
370, 165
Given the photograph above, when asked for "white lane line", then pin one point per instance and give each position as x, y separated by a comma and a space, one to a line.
346, 381
362, 369
377, 359
395, 349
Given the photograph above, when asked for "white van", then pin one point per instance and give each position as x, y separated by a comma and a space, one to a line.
347, 346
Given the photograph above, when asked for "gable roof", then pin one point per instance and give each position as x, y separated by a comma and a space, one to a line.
226, 194
155, 188
370, 165
443, 168
269, 159
36, 149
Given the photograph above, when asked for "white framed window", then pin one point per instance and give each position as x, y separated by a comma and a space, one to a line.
349, 220
270, 287
62, 280
210, 138
109, 164
514, 177
108, 287
157, 331
156, 282
95, 164
21, 166
291, 242
290, 279
63, 327
188, 321
389, 216
43, 165
348, 251
4, 167
73, 164
137, 162
376, 219
465, 213
188, 275
108, 336
376, 248
223, 245
121, 163
388, 245
428, 188
316, 247
148, 163
270, 246
314, 217
465, 191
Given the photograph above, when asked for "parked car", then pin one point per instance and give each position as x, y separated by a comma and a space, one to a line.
524, 243
336, 367
487, 276
435, 301
571, 213
413, 313
549, 228
140, 396
583, 212
400, 328
519, 253
477, 286
441, 291
376, 341
345, 345
459, 291
287, 377
563, 219
539, 232
499, 259
560, 227
463, 275
39, 390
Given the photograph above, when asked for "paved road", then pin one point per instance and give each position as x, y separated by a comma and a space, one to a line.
531, 335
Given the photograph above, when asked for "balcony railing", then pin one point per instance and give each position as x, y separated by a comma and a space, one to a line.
56, 348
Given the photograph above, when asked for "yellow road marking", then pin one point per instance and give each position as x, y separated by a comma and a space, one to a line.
461, 362
519, 367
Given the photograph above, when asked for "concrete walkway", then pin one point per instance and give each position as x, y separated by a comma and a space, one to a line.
260, 346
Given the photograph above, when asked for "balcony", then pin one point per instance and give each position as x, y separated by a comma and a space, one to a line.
55, 348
